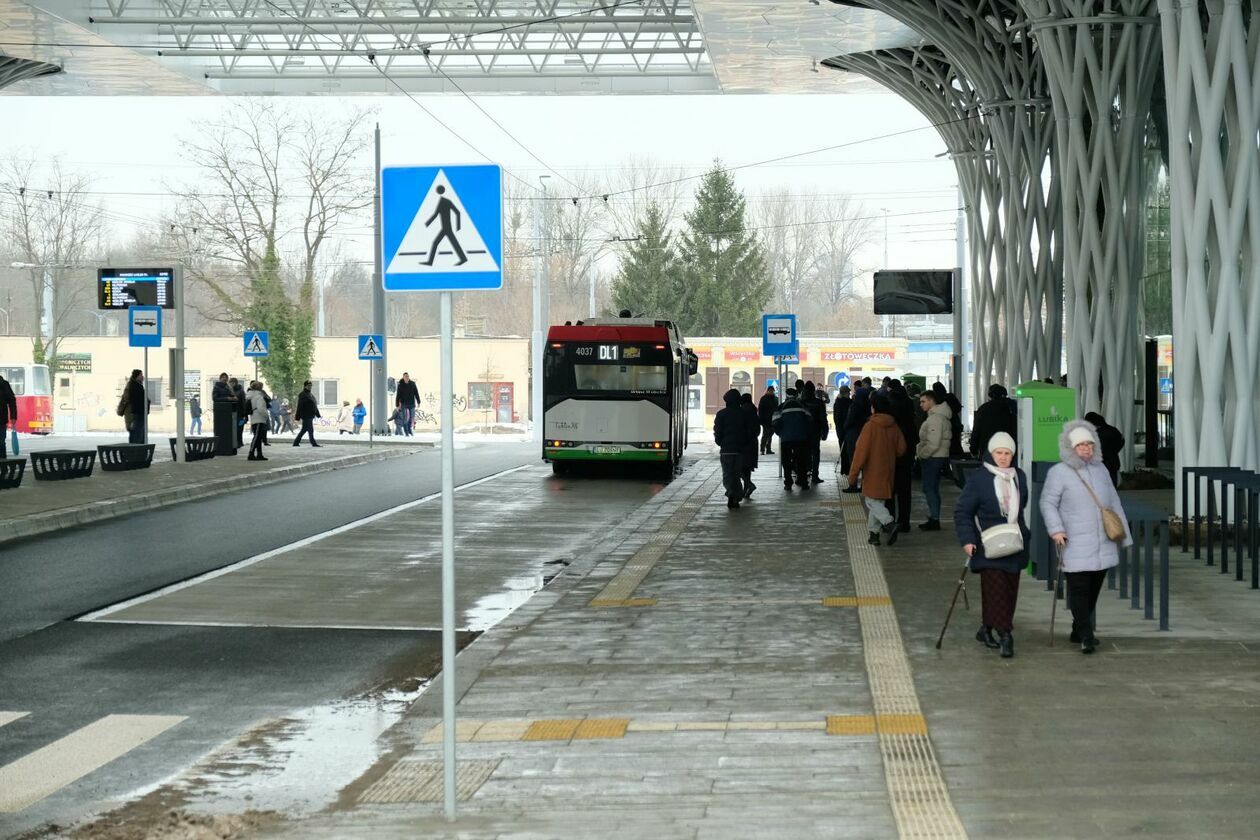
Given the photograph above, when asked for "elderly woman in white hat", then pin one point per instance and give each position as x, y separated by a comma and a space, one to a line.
1083, 516
989, 522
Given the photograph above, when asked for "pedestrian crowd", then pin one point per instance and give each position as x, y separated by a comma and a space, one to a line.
883, 434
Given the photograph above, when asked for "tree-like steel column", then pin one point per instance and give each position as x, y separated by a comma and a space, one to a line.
1211, 70
1020, 312
1101, 62
926, 79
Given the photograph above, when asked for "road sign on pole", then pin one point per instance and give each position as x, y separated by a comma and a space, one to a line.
257, 343
442, 228
144, 326
371, 347
778, 335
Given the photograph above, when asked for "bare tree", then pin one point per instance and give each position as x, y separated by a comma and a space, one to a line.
792, 246
636, 186
849, 230
51, 224
573, 233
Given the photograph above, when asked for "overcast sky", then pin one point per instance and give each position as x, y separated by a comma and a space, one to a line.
130, 146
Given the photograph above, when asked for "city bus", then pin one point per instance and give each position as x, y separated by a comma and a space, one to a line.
615, 390
32, 386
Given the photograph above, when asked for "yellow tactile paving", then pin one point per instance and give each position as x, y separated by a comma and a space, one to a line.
901, 724
592, 728
465, 730
503, 730
850, 724
551, 730
840, 601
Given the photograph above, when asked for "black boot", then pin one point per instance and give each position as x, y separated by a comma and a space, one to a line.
985, 637
1006, 643
1088, 644
873, 539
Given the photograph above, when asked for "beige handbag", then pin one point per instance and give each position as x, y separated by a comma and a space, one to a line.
1113, 525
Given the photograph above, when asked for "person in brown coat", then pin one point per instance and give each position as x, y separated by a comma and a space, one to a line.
879, 446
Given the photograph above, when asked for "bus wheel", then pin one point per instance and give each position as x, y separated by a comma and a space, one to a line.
560, 468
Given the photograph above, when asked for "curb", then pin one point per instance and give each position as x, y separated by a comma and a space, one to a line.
35, 524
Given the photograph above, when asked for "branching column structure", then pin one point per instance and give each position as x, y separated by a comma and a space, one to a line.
1101, 61
926, 79
1212, 74
984, 40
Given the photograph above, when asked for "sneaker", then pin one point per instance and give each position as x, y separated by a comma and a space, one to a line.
930, 525
873, 539
890, 531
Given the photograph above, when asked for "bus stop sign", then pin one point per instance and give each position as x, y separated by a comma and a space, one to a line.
778, 335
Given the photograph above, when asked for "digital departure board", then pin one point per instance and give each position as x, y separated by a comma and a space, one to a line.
121, 288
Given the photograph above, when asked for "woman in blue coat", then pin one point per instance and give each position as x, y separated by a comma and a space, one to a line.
995, 495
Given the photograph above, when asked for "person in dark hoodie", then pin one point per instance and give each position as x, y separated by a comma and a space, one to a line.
996, 415
818, 410
859, 413
792, 423
765, 413
748, 462
995, 495
1110, 441
730, 433
903, 414
840, 413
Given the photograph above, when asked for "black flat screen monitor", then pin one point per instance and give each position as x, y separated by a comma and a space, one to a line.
122, 288
914, 292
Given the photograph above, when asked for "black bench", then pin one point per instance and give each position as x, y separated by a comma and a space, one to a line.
117, 457
62, 464
195, 448
11, 472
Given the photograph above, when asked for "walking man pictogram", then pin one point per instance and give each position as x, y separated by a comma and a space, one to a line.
444, 209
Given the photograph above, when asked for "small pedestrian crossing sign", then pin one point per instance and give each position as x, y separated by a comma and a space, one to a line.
257, 343
442, 227
371, 347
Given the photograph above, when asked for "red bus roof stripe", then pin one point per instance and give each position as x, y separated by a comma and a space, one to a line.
584, 333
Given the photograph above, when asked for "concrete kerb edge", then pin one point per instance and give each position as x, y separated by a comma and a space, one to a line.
35, 524
479, 653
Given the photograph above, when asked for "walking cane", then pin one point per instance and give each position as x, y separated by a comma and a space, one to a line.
1058, 580
962, 587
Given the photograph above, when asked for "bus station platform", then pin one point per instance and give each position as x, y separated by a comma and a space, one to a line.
697, 672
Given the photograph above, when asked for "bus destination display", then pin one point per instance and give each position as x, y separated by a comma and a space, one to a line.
121, 288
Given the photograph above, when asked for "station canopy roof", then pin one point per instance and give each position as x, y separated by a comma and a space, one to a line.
343, 47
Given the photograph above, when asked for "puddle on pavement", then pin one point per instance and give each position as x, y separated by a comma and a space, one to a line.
493, 608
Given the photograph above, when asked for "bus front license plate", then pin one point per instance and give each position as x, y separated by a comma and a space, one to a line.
607, 450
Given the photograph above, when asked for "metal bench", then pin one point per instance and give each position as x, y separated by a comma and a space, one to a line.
117, 457
195, 448
62, 464
11, 472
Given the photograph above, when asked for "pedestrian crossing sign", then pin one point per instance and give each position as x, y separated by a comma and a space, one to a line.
257, 343
442, 227
371, 348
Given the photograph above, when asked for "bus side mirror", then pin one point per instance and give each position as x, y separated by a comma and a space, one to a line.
693, 363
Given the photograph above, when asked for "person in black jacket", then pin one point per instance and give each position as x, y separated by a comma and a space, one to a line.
766, 408
730, 433
748, 461
1110, 441
839, 414
996, 415
793, 424
995, 495
859, 413
903, 415
307, 411
8, 414
242, 410
405, 400
137, 418
818, 410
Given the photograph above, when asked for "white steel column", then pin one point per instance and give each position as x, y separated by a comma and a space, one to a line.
1101, 69
1211, 74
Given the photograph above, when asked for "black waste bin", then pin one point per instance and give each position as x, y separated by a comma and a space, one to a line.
225, 428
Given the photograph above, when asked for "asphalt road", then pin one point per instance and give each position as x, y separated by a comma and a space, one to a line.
55, 577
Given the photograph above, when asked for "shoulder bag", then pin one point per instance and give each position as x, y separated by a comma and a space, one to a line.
1113, 525
1005, 539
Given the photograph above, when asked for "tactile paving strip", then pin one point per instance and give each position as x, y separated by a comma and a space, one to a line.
421, 781
620, 590
920, 799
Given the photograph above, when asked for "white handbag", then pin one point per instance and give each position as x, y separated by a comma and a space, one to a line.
1002, 540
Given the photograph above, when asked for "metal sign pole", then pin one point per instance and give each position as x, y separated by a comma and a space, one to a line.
181, 397
146, 396
448, 561
371, 402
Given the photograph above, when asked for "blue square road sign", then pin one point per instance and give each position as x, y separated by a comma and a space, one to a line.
371, 348
144, 326
257, 343
778, 335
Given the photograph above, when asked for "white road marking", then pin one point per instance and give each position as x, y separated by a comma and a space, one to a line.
9, 717
302, 543
47, 770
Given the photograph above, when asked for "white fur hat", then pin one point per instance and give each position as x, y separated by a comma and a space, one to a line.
1001, 440
1081, 435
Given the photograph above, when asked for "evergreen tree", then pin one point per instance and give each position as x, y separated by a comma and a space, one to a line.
725, 282
291, 349
647, 280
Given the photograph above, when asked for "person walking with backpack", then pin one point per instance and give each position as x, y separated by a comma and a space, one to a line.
730, 433
766, 408
259, 419
792, 423
1084, 517
990, 504
307, 411
875, 459
194, 411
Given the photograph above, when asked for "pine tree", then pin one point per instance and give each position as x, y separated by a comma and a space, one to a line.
647, 281
726, 285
